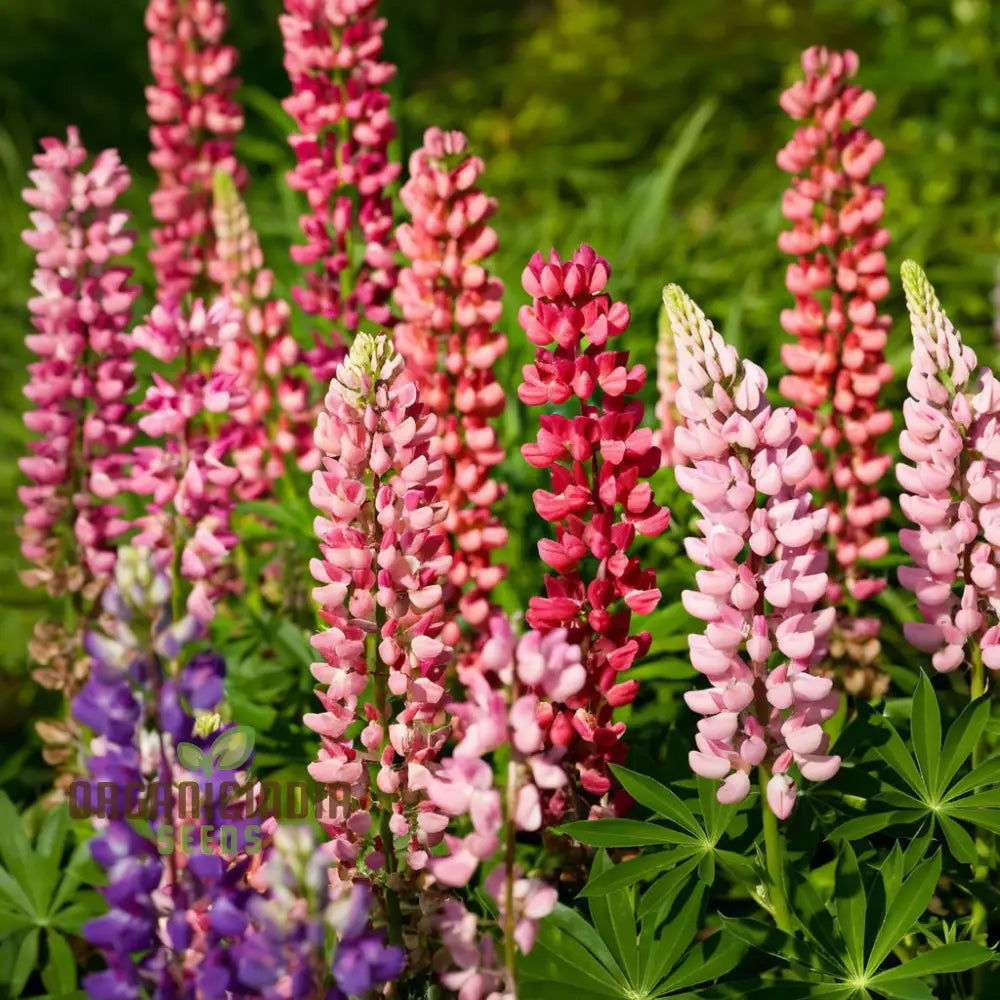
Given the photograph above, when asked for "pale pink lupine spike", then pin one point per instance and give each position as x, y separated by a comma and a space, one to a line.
379, 584
80, 384
276, 421
667, 416
763, 571
195, 124
450, 304
950, 436
836, 362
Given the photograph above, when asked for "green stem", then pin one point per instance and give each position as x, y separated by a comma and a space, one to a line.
509, 944
377, 672
774, 857
981, 872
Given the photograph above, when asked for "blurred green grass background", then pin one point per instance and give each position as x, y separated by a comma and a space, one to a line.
646, 128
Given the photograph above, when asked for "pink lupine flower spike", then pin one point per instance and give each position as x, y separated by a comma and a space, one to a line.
762, 576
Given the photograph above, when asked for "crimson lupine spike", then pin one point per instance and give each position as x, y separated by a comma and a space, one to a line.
599, 461
80, 384
837, 363
275, 422
764, 572
333, 51
195, 124
380, 594
449, 304
951, 489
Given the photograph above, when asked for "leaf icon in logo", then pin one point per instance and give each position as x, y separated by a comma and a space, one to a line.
190, 756
231, 748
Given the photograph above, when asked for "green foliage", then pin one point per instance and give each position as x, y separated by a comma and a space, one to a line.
920, 787
626, 951
44, 901
857, 945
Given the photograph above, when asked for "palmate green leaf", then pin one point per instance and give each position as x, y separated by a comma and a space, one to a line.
628, 873
707, 961
59, 974
970, 800
614, 918
987, 773
963, 735
776, 943
925, 731
659, 799
664, 940
960, 843
904, 909
905, 989
957, 956
851, 906
24, 964
621, 833
569, 950
664, 887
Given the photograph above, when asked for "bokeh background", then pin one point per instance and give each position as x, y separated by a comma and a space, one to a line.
647, 128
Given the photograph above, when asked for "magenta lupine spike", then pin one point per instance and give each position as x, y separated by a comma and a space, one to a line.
450, 304
276, 421
195, 124
951, 437
80, 384
333, 52
838, 278
380, 589
184, 471
599, 459
763, 572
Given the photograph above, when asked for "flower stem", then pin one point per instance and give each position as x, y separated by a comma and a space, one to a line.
774, 857
981, 872
378, 672
509, 945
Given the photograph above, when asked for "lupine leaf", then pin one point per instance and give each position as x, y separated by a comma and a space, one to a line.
660, 891
627, 873
663, 941
958, 956
904, 909
963, 735
614, 919
850, 902
621, 833
925, 731
987, 773
708, 960
658, 798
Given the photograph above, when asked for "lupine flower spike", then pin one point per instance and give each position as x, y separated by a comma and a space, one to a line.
79, 388
380, 588
195, 124
450, 304
333, 51
599, 459
276, 421
763, 572
244, 914
952, 487
667, 416
837, 362
184, 471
